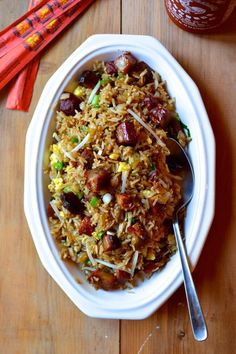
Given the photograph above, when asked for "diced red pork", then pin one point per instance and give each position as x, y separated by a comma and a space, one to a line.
111, 68
87, 154
151, 102
102, 279
86, 226
97, 179
125, 201
122, 276
70, 104
139, 235
160, 115
125, 62
150, 267
145, 70
126, 134
110, 242
50, 212
88, 79
71, 202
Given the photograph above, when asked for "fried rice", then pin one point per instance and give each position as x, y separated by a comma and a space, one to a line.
113, 194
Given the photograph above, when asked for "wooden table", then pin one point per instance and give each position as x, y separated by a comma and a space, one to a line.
36, 317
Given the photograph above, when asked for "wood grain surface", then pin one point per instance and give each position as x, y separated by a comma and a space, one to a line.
36, 317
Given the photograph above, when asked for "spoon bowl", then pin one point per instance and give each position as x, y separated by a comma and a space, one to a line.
179, 162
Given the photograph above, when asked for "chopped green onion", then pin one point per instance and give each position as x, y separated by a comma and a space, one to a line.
93, 201
80, 195
105, 81
94, 91
58, 165
84, 128
184, 126
99, 235
152, 166
95, 101
67, 189
148, 193
79, 91
74, 139
133, 220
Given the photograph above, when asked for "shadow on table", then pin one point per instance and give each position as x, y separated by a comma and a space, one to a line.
225, 31
218, 237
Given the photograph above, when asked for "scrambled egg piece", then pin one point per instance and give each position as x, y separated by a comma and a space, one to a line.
56, 185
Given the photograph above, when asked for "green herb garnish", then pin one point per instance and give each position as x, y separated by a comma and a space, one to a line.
58, 165
80, 195
100, 235
186, 128
74, 140
152, 166
84, 128
183, 126
105, 81
95, 101
133, 220
93, 201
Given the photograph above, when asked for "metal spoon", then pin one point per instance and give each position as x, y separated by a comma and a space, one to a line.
178, 159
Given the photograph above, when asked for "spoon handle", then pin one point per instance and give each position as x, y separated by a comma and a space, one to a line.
196, 316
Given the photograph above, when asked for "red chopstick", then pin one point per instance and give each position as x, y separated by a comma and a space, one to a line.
21, 42
21, 90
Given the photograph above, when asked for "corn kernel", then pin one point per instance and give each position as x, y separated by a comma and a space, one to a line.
62, 214
56, 149
53, 158
148, 193
82, 258
58, 183
149, 141
123, 166
114, 156
151, 255
68, 169
91, 131
134, 160
163, 199
79, 91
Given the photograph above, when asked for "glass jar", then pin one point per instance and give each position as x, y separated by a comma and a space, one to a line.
199, 15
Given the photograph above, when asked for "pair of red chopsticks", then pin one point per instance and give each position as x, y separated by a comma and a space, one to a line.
23, 40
